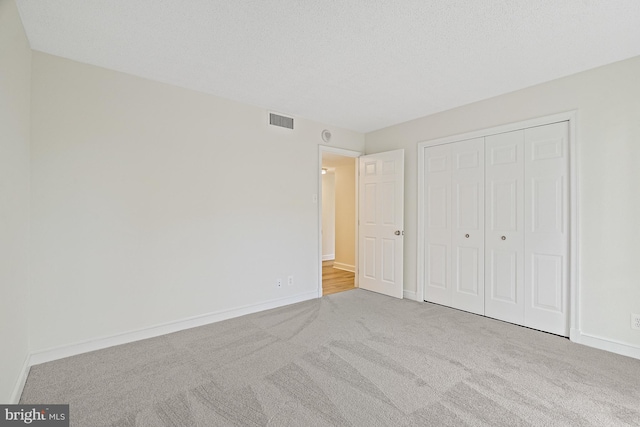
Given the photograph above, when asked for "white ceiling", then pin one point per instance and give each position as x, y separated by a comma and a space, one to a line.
359, 64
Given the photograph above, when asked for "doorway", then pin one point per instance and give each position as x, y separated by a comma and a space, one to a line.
338, 220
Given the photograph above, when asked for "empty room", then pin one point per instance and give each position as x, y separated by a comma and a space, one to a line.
164, 216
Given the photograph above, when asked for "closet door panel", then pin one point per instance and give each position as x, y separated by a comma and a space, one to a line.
504, 234
437, 263
467, 234
546, 228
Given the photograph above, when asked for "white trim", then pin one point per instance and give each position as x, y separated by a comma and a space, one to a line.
339, 151
574, 238
328, 257
571, 117
22, 380
420, 279
356, 279
345, 267
163, 329
410, 295
605, 344
345, 153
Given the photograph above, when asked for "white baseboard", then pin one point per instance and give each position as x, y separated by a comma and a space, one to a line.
163, 329
345, 267
604, 344
328, 257
409, 295
22, 379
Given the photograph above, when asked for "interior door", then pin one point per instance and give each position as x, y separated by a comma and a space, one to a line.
546, 228
467, 225
504, 234
381, 222
437, 197
454, 223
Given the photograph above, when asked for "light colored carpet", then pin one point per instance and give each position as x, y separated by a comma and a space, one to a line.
353, 358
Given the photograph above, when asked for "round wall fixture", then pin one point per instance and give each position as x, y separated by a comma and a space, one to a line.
326, 135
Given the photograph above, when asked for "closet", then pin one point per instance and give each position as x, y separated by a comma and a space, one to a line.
496, 226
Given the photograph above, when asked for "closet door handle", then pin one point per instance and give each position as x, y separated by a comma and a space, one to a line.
504, 238
466, 235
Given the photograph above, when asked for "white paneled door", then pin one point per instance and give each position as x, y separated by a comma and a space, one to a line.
437, 197
454, 221
504, 236
381, 222
496, 221
467, 228
546, 222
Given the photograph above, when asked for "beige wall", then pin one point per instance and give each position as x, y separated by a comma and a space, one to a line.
346, 215
15, 76
328, 216
608, 158
152, 203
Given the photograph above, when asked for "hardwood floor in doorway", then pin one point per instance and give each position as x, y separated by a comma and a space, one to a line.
335, 280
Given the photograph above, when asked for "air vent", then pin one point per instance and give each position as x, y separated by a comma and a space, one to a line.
282, 121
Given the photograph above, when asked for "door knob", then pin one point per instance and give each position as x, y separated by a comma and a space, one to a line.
504, 238
466, 235
397, 232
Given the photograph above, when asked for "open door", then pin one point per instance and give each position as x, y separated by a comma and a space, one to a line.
381, 222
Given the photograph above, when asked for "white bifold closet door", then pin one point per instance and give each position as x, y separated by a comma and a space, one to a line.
526, 230
496, 226
455, 225
467, 231
504, 233
546, 225
437, 164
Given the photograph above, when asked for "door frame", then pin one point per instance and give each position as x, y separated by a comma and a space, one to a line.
345, 153
574, 280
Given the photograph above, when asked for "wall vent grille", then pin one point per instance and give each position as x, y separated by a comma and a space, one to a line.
282, 121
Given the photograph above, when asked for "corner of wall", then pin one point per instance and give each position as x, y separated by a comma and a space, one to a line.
15, 140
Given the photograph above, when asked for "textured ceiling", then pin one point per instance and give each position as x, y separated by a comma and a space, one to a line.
360, 64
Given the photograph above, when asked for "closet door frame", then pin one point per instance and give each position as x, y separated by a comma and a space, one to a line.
573, 280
